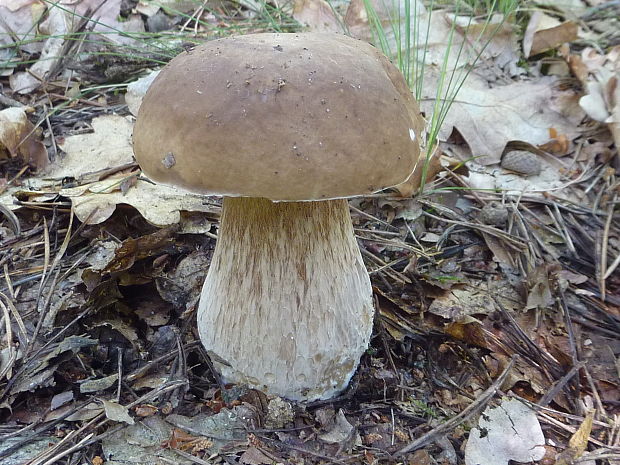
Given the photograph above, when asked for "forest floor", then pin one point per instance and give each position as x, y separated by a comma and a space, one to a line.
496, 285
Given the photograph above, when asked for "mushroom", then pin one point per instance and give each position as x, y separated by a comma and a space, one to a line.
285, 127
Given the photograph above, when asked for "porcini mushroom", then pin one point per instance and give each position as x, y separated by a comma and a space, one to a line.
285, 127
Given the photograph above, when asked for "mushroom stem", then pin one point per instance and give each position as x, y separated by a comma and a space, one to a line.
287, 304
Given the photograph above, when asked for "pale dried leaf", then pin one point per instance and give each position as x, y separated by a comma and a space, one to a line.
501, 253
510, 431
99, 384
548, 180
174, 7
545, 33
147, 8
227, 425
488, 118
105, 16
158, 204
88, 412
434, 32
435, 43
141, 444
602, 80
316, 15
28, 450
341, 432
571, 9
499, 38
14, 5
108, 146
57, 26
539, 289
458, 303
117, 412
151, 381
61, 399
594, 103
17, 138
18, 19
578, 442
136, 91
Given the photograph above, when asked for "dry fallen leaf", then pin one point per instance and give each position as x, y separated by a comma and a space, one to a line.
99, 384
341, 431
63, 18
545, 33
159, 205
507, 432
117, 412
497, 40
18, 138
18, 18
602, 102
136, 91
488, 118
433, 32
571, 9
107, 147
254, 456
539, 287
434, 37
56, 26
317, 15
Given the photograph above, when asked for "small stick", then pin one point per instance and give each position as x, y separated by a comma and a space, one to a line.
120, 375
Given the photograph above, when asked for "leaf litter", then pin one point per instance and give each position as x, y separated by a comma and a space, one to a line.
500, 277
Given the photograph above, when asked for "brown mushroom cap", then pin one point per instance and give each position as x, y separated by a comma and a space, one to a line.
282, 116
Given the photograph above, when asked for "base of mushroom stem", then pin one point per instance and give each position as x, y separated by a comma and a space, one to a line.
286, 307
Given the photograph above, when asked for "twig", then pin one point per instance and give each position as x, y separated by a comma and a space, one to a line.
303, 450
558, 386
33, 358
511, 241
399, 277
370, 217
602, 269
573, 430
120, 375
189, 457
73, 448
597, 398
13, 220
12, 355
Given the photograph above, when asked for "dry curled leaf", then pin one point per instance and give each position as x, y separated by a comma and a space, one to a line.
19, 138
545, 33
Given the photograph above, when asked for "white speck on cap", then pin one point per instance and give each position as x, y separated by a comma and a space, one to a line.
412, 134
